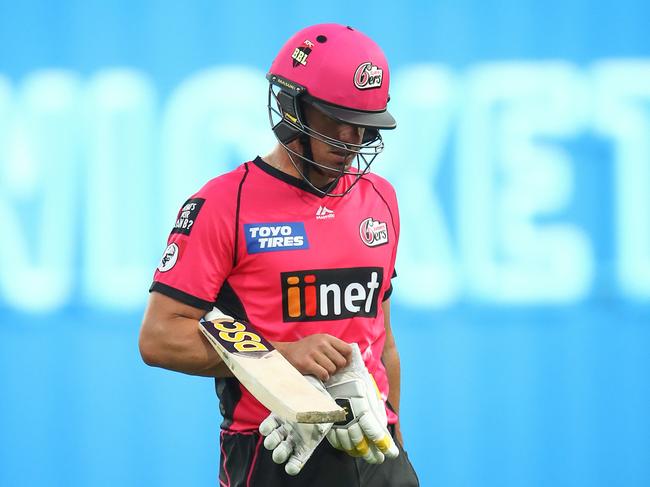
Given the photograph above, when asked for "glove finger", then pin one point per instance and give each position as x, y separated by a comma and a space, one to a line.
378, 435
371, 427
268, 425
375, 456
293, 466
344, 439
275, 438
301, 453
282, 451
333, 439
359, 442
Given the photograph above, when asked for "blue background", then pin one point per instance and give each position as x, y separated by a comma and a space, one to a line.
505, 383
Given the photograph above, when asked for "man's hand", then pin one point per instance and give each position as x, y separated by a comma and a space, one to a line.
291, 442
364, 432
320, 355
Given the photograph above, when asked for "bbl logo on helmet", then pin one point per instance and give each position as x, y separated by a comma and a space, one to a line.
301, 53
368, 76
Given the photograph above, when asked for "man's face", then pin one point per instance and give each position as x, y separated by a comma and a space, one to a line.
326, 154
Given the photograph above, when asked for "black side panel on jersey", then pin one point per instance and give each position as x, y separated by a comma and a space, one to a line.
229, 389
228, 302
389, 291
229, 393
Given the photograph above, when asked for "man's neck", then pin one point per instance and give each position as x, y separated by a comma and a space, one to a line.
279, 159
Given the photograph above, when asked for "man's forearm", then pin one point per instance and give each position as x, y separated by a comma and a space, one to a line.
391, 361
182, 348
390, 358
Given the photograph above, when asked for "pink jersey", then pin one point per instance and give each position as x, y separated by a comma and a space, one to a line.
263, 247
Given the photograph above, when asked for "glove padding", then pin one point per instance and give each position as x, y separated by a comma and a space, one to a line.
363, 433
291, 442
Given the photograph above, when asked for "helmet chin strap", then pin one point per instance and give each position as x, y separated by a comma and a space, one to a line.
305, 142
308, 156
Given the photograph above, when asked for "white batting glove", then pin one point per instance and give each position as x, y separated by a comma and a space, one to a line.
364, 431
291, 442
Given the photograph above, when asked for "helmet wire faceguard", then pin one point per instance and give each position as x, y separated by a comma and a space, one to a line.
288, 124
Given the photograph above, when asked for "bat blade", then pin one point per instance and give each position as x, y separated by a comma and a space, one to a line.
267, 375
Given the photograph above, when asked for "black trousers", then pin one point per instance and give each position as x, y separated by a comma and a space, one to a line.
246, 463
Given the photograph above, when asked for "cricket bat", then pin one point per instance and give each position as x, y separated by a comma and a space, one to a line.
267, 374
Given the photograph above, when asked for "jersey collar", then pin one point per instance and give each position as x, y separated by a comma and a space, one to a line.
287, 178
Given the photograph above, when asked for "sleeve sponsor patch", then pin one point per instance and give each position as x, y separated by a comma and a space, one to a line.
188, 215
169, 258
272, 237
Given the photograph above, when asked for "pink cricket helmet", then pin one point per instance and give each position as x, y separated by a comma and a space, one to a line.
339, 70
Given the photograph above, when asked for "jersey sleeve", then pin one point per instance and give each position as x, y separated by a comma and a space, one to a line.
199, 254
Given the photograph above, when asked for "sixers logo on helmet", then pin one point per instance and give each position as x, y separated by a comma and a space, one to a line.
368, 76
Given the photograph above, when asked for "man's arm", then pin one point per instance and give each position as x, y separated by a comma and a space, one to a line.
170, 338
390, 358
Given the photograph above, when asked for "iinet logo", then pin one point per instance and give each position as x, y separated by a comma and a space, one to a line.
331, 294
324, 212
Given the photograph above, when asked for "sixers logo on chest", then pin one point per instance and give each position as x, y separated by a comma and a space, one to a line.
373, 232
